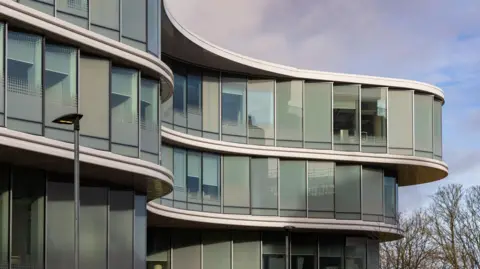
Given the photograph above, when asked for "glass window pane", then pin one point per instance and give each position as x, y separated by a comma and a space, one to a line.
153, 27
318, 115
179, 97
347, 191
167, 162
179, 170
423, 125
390, 197
372, 181
355, 253
234, 106
373, 254
289, 103
374, 120
60, 89
216, 250
260, 111
2, 75
94, 100
133, 19
124, 113
211, 179
149, 96
437, 130
345, 117
105, 13
194, 100
158, 246
74, 7
194, 177
120, 222
321, 189
140, 232
293, 189
24, 69
60, 217
331, 253
236, 180
4, 215
186, 249
246, 250
211, 100
274, 249
304, 250
400, 116
264, 172
167, 112
28, 218
93, 227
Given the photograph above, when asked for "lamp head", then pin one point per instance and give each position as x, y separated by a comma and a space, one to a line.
68, 119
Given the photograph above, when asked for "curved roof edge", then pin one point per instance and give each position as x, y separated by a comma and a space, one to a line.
210, 53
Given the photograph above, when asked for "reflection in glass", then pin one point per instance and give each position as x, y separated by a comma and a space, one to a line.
293, 202
318, 115
390, 193
124, 114
194, 100
74, 7
211, 101
264, 173
60, 86
400, 112
149, 119
260, 112
289, 103
179, 98
374, 119
372, 188
273, 250
355, 253
24, 82
423, 125
194, 177
28, 218
345, 117
234, 106
347, 192
2, 75
437, 129
179, 169
134, 23
153, 31
236, 184
211, 179
331, 254
321, 189
303, 262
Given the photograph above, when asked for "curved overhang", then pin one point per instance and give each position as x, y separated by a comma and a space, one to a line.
217, 220
52, 155
411, 170
24, 17
181, 44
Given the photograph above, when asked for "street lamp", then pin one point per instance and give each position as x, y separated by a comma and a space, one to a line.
69, 119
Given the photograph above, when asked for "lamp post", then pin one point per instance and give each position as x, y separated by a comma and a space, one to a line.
69, 119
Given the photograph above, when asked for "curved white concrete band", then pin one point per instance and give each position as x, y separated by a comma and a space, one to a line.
12, 11
143, 170
429, 169
273, 222
281, 70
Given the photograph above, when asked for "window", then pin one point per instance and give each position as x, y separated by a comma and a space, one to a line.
236, 185
264, 177
153, 27
194, 100
260, 112
2, 75
318, 115
216, 250
289, 113
94, 99
374, 120
390, 198
24, 69
355, 253
233, 108
120, 229
60, 89
273, 251
321, 190
437, 129
179, 97
400, 116
346, 117
124, 113
186, 249
74, 7
211, 101
194, 180
134, 25
423, 125
246, 249
140, 232
372, 187
211, 181
179, 169
293, 189
106, 14
167, 162
149, 97
331, 254
347, 192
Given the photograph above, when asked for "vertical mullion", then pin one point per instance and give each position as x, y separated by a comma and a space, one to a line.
220, 101
137, 117
110, 106
222, 188
274, 112
306, 189
332, 118
303, 113
359, 118
387, 144
247, 131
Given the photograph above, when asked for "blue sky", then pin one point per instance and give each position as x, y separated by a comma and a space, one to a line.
434, 41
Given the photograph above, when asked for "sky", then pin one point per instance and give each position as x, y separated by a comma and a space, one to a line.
433, 41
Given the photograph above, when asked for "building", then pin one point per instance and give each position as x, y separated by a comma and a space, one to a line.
193, 156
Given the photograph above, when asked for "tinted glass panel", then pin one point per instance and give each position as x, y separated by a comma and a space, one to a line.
260, 112
293, 189
321, 189
194, 100
289, 102
423, 125
216, 250
149, 96
4, 215
106, 13
179, 169
133, 19
347, 191
234, 106
390, 197
74, 7
374, 119
153, 27
194, 177
246, 250
372, 187
236, 180
2, 75
120, 244
211, 179
318, 115
180, 98
437, 128
355, 253
264, 185
400, 115
346, 117
140, 232
211, 100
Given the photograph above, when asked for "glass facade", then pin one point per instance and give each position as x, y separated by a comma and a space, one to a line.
260, 106
234, 106
423, 125
220, 249
279, 187
37, 227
